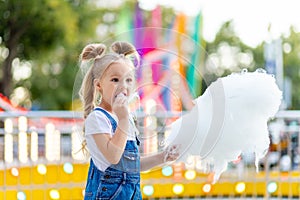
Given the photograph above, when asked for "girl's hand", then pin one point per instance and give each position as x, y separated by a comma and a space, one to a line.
171, 153
120, 106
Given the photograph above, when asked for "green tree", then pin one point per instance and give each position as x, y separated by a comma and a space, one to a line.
227, 53
58, 75
227, 39
291, 49
29, 29
46, 33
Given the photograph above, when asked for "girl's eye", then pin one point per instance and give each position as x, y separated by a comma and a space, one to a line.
115, 80
129, 80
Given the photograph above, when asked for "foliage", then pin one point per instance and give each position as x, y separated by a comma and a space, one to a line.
49, 33
228, 38
59, 73
227, 54
291, 49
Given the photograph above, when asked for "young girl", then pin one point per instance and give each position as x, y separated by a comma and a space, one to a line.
110, 133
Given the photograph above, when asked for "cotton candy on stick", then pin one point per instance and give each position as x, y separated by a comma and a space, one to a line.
229, 119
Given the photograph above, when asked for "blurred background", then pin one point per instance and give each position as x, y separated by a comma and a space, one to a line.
185, 45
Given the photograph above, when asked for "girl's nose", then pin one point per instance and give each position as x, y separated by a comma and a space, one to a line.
123, 84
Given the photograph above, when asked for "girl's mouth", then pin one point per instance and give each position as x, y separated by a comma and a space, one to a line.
120, 94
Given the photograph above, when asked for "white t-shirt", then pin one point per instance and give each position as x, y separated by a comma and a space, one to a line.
98, 123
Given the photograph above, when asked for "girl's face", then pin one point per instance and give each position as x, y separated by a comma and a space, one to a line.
118, 78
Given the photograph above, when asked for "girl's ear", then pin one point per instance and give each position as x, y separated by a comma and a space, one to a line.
97, 84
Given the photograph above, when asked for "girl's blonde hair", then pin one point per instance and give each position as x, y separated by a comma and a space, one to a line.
99, 61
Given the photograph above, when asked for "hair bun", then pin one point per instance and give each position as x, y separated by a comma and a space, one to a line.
124, 48
128, 50
92, 51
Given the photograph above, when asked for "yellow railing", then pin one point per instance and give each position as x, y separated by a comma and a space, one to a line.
38, 160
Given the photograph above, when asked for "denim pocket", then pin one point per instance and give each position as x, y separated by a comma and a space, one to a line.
130, 155
131, 161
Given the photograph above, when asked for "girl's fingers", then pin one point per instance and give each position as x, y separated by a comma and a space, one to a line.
172, 153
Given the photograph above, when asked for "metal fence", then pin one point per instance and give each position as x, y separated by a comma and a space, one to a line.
40, 158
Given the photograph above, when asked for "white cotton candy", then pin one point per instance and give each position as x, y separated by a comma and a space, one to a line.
229, 119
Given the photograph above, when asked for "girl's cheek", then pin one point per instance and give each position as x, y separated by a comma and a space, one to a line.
130, 91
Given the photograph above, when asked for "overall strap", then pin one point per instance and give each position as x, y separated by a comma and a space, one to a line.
114, 123
111, 119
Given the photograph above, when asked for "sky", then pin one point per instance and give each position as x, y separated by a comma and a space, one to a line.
251, 18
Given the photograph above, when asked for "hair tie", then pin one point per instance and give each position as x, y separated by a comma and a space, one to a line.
122, 55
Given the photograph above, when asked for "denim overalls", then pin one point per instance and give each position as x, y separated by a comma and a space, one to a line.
119, 181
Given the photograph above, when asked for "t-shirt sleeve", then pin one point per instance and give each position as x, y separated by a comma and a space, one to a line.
97, 122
